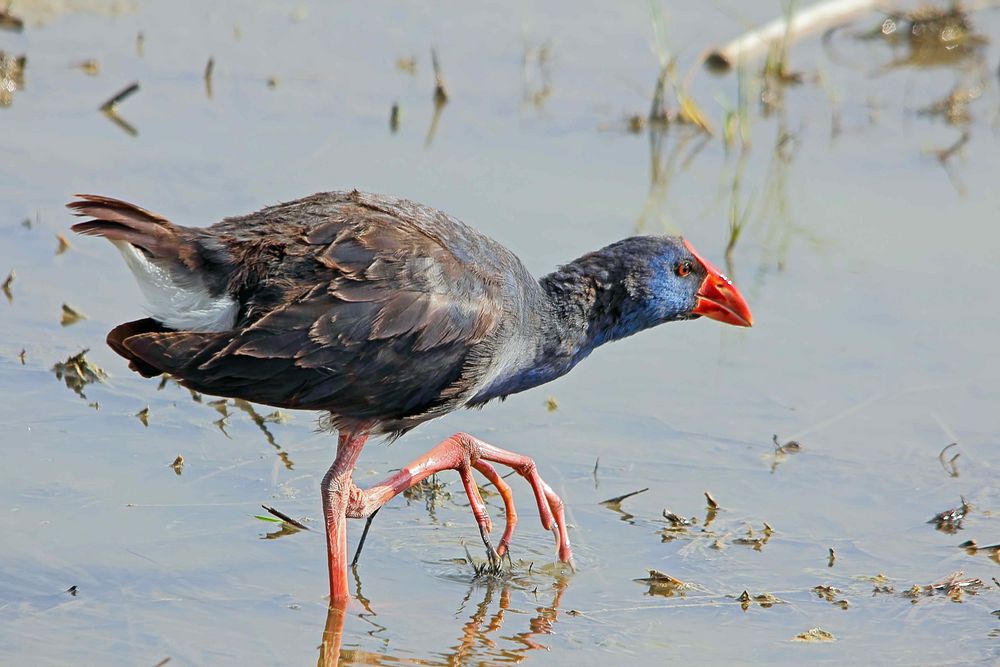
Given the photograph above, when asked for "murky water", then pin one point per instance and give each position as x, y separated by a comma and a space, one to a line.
869, 263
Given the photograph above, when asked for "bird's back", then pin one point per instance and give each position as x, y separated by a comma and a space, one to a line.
380, 310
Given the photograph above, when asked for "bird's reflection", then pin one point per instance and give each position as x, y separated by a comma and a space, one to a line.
480, 637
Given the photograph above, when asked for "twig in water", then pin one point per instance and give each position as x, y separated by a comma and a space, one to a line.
112, 104
618, 499
284, 517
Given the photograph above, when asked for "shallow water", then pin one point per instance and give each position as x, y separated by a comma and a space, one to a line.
870, 267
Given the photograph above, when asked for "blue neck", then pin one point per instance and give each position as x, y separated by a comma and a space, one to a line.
585, 304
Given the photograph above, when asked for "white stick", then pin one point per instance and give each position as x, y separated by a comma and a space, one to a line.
807, 20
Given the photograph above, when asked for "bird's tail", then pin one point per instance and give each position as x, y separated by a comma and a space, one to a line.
119, 221
167, 261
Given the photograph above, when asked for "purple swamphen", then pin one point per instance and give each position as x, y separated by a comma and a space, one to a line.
384, 314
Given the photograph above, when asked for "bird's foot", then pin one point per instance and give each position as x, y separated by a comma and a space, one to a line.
464, 452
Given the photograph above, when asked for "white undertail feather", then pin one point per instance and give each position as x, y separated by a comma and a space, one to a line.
178, 299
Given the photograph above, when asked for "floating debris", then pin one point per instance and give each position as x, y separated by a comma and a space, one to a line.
408, 65
829, 593
635, 123
712, 503
950, 521
110, 108
833, 558
70, 315
973, 548
209, 69
677, 521
143, 416
11, 76
825, 592
954, 585
6, 287
272, 82
429, 490
815, 635
617, 500
77, 372
615, 504
72, 590
140, 43
753, 540
21, 355
178, 464
551, 404
90, 66
661, 584
10, 22
790, 447
63, 244
765, 600
950, 466
394, 118
111, 105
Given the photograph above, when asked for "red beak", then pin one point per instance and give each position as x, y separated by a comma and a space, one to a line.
718, 298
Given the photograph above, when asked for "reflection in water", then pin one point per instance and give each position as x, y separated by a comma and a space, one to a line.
536, 89
933, 37
664, 165
261, 421
440, 99
615, 505
479, 640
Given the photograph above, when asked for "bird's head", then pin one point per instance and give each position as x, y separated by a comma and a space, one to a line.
676, 283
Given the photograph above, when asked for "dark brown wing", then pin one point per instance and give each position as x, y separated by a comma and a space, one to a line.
377, 320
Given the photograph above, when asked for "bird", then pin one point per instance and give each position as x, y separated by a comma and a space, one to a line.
382, 314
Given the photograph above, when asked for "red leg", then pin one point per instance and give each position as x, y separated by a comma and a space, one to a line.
336, 488
462, 452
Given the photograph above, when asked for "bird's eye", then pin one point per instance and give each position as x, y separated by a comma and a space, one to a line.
684, 268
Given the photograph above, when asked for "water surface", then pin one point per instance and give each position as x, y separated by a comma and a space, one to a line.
869, 263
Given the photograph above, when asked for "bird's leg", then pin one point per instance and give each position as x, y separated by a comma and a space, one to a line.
336, 489
462, 452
